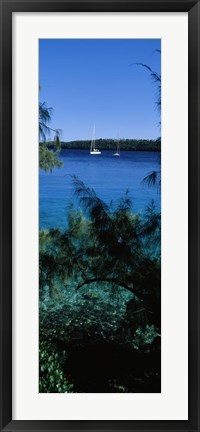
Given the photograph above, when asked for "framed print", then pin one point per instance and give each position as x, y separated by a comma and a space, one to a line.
99, 215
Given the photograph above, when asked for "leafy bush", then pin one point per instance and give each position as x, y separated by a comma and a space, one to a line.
52, 379
144, 337
100, 299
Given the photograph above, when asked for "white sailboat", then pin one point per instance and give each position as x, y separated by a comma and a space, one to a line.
117, 153
93, 150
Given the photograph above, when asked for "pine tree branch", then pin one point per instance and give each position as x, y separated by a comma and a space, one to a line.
106, 279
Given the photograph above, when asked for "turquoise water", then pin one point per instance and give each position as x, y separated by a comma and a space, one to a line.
109, 176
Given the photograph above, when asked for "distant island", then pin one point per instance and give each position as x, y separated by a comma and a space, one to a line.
110, 144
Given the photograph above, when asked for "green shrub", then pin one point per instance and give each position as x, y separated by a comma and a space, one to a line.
144, 337
52, 379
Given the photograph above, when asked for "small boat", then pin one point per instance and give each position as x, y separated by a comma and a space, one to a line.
117, 153
93, 150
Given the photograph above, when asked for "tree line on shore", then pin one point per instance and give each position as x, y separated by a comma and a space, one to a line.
110, 144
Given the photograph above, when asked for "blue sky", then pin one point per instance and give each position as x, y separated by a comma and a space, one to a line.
90, 81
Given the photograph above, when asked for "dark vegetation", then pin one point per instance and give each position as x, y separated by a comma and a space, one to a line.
154, 178
100, 311
110, 144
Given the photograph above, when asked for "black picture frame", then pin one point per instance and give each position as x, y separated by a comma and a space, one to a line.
6, 9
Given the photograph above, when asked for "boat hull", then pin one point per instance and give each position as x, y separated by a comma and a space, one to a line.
95, 152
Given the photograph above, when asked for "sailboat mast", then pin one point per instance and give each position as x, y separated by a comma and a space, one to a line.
93, 150
93, 139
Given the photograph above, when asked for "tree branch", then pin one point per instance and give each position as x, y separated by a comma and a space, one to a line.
106, 279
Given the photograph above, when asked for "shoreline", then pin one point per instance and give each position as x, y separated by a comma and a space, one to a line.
106, 149
111, 144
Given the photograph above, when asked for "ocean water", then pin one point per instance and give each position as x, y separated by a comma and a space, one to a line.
109, 176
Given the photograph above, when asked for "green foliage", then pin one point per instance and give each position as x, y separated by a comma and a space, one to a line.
108, 246
52, 379
45, 114
48, 159
102, 351
121, 238
145, 336
56, 262
110, 144
100, 297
